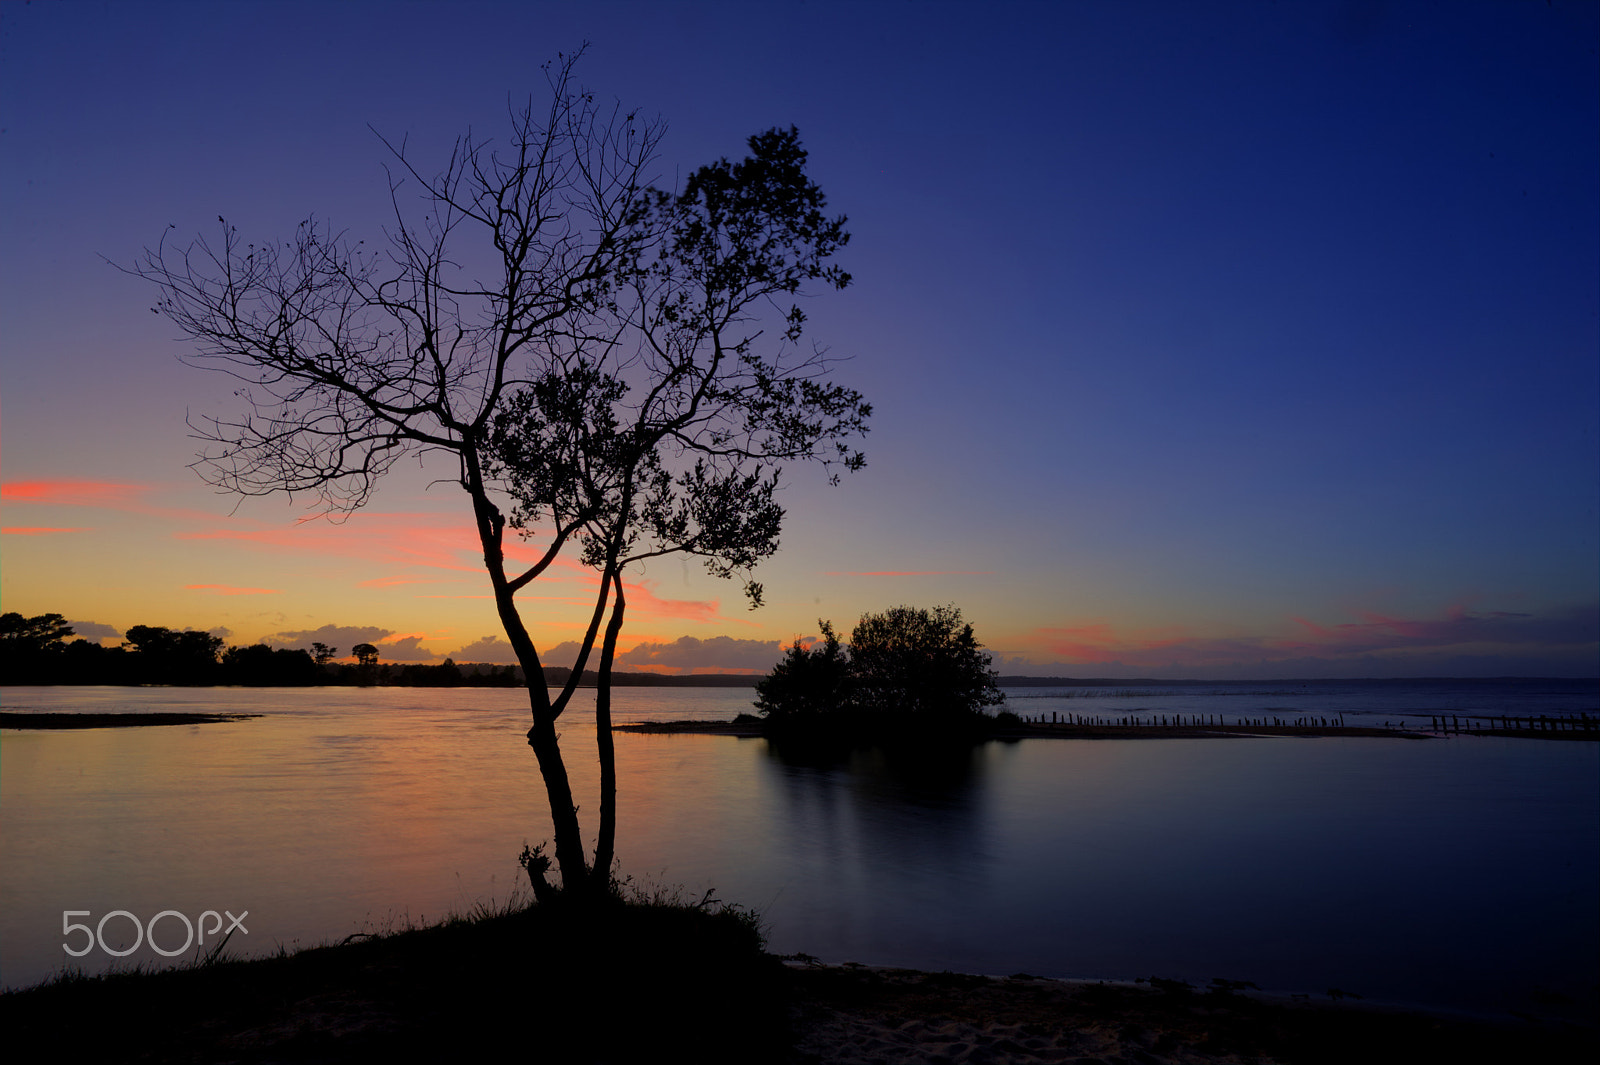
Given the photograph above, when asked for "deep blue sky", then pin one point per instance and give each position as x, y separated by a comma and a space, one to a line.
1205, 339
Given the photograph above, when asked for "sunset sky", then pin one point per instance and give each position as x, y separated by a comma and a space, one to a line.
1204, 340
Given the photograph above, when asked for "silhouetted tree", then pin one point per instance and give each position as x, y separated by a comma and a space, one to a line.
597, 365
445, 675
687, 461
166, 656
31, 649
262, 666
366, 655
808, 680
920, 661
905, 661
322, 654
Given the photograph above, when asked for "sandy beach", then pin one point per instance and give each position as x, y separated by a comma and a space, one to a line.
854, 1015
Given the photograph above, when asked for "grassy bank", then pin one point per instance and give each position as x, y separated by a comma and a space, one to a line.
660, 980
603, 983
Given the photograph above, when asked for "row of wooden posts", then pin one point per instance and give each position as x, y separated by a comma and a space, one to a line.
1541, 723
1438, 722
1189, 721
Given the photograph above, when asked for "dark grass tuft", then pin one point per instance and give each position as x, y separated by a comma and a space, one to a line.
601, 981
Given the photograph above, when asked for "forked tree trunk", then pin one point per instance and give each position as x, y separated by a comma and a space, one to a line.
606, 847
542, 736
558, 789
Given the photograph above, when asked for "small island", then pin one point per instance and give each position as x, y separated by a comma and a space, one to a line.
915, 677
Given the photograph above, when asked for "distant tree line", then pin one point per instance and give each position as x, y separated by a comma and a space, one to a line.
39, 650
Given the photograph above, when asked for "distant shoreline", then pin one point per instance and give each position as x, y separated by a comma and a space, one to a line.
556, 677
1064, 730
85, 721
753, 730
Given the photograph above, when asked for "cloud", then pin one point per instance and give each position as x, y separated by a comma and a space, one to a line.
406, 649
494, 650
72, 493
688, 654
910, 573
93, 630
37, 530
405, 541
1462, 642
391, 582
388, 544
228, 589
392, 646
643, 601
565, 654
723, 654
342, 637
1459, 626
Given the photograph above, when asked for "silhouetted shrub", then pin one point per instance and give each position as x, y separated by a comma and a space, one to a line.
907, 667
808, 681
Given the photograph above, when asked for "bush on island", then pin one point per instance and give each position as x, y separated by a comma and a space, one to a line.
908, 670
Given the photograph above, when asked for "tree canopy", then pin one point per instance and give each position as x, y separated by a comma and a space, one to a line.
924, 663
602, 361
31, 648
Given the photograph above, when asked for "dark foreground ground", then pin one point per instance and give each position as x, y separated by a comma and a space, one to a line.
681, 983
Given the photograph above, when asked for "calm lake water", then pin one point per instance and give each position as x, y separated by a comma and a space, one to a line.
1460, 872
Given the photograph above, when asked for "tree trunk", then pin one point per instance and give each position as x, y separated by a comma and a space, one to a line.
547, 749
542, 736
606, 847
558, 789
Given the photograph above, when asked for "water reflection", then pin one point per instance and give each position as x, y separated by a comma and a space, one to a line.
932, 772
881, 845
1295, 864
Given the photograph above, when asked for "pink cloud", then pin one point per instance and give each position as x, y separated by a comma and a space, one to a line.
69, 492
407, 541
37, 530
911, 573
228, 589
435, 542
416, 545
687, 654
395, 582
108, 495
643, 600
1460, 631
1459, 625
1081, 643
